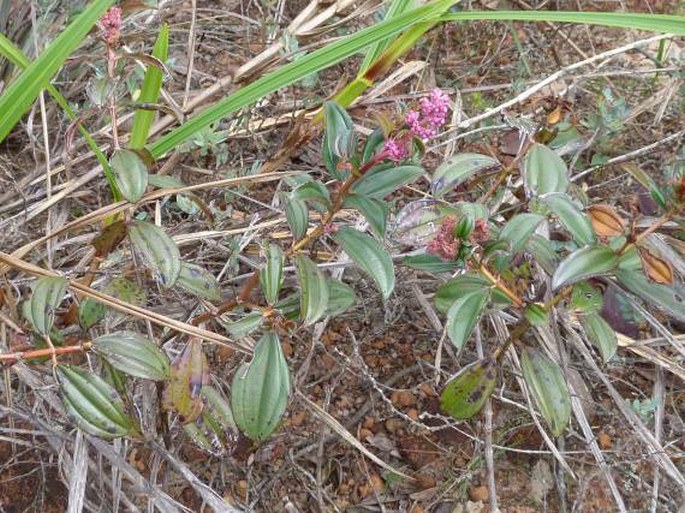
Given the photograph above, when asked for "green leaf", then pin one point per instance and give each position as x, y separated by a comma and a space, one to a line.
314, 191
46, 296
585, 298
417, 223
466, 393
149, 93
215, 430
294, 71
463, 315
543, 252
158, 250
17, 98
370, 256
457, 169
536, 314
133, 354
429, 263
297, 215
90, 312
130, 174
260, 390
92, 404
584, 263
381, 181
189, 374
199, 281
271, 276
544, 171
670, 299
243, 327
313, 290
575, 221
165, 181
374, 51
519, 228
341, 297
341, 138
548, 387
373, 210
462, 285
600, 333
372, 144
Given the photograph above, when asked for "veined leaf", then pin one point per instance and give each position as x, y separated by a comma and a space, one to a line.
90, 312
466, 393
46, 296
199, 281
297, 215
460, 286
313, 290
544, 171
548, 388
458, 169
130, 173
370, 256
519, 228
341, 138
149, 93
340, 297
93, 404
543, 252
671, 299
417, 223
373, 210
575, 221
584, 263
189, 374
429, 263
313, 191
463, 315
260, 389
600, 333
133, 354
381, 181
271, 276
243, 327
17, 98
158, 250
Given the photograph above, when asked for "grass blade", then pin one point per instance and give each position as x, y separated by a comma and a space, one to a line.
21, 93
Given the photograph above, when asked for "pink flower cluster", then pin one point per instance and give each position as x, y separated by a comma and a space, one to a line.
446, 244
111, 25
423, 123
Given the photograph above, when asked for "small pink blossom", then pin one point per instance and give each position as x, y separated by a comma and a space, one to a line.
480, 231
111, 25
395, 150
425, 123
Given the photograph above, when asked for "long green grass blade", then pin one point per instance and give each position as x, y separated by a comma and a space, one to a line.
652, 22
296, 70
15, 56
149, 93
396, 8
21, 93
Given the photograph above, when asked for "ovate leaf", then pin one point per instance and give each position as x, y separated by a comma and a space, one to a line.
429, 263
458, 169
189, 373
199, 281
297, 215
158, 250
463, 315
548, 387
133, 354
375, 211
417, 223
341, 139
313, 191
671, 299
544, 171
90, 312
271, 276
519, 228
601, 334
584, 263
340, 297
370, 256
466, 393
260, 389
381, 181
243, 327
47, 294
92, 404
130, 174
575, 221
313, 290
456, 288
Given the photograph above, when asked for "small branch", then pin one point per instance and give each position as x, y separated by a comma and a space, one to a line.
53, 352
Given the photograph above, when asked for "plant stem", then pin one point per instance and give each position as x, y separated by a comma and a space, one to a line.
501, 286
48, 351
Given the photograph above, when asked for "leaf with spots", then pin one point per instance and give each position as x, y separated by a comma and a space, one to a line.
199, 281
189, 373
466, 393
92, 404
133, 354
158, 250
109, 238
457, 169
260, 389
548, 387
47, 294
